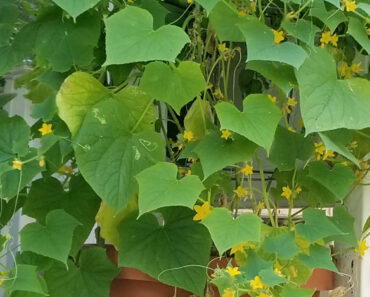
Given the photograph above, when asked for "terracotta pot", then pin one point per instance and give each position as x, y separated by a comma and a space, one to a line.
320, 280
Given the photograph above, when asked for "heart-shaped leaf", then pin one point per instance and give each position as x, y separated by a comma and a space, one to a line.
75, 8
261, 45
199, 118
159, 187
109, 154
182, 245
54, 240
357, 29
302, 30
331, 18
328, 103
208, 4
182, 83
227, 232
319, 257
131, 38
257, 122
283, 245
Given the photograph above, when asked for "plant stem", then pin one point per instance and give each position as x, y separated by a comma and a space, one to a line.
176, 120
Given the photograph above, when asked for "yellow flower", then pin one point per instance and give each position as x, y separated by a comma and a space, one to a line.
241, 192
189, 136
46, 129
225, 134
256, 283
327, 38
334, 40
238, 248
278, 268
356, 68
202, 211
42, 161
218, 94
362, 247
272, 98
222, 47
294, 271
287, 192
232, 271
298, 190
182, 171
228, 293
192, 159
329, 154
262, 295
350, 5
260, 205
242, 12
66, 169
253, 5
345, 70
320, 149
278, 36
210, 86
17, 164
188, 173
291, 101
247, 169
190, 1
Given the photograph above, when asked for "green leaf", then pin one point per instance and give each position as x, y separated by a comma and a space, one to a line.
172, 236
319, 257
331, 18
208, 4
199, 118
79, 92
357, 30
75, 8
317, 225
227, 232
328, 103
25, 278
216, 153
64, 43
301, 29
290, 291
131, 38
288, 147
257, 122
337, 180
6, 97
283, 245
270, 278
91, 278
157, 9
254, 264
345, 222
281, 75
225, 19
109, 154
159, 187
261, 45
54, 239
8, 17
336, 140
183, 83
80, 201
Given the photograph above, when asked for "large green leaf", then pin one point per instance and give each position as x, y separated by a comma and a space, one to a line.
261, 45
301, 29
328, 103
109, 155
54, 239
75, 8
8, 17
199, 118
159, 187
357, 29
157, 9
80, 201
290, 291
183, 83
64, 43
91, 278
227, 232
208, 4
25, 279
283, 245
131, 38
216, 153
257, 122
254, 264
288, 147
337, 180
319, 257
79, 92
281, 75
317, 225
331, 18
182, 245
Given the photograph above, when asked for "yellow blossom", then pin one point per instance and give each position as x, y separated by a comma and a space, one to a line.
182, 170
356, 68
190, 1
46, 129
247, 169
66, 169
188, 173
17, 164
278, 36
262, 295
238, 248
334, 40
345, 163
291, 101
222, 47
294, 271
328, 154
242, 12
260, 206
256, 283
42, 161
218, 94
202, 211
320, 149
278, 268
192, 159
349, 5
345, 70
253, 5
225, 134
364, 165
232, 271
327, 38
298, 190
272, 98
241, 192
287, 192
228, 293
210, 86
188, 135
362, 247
